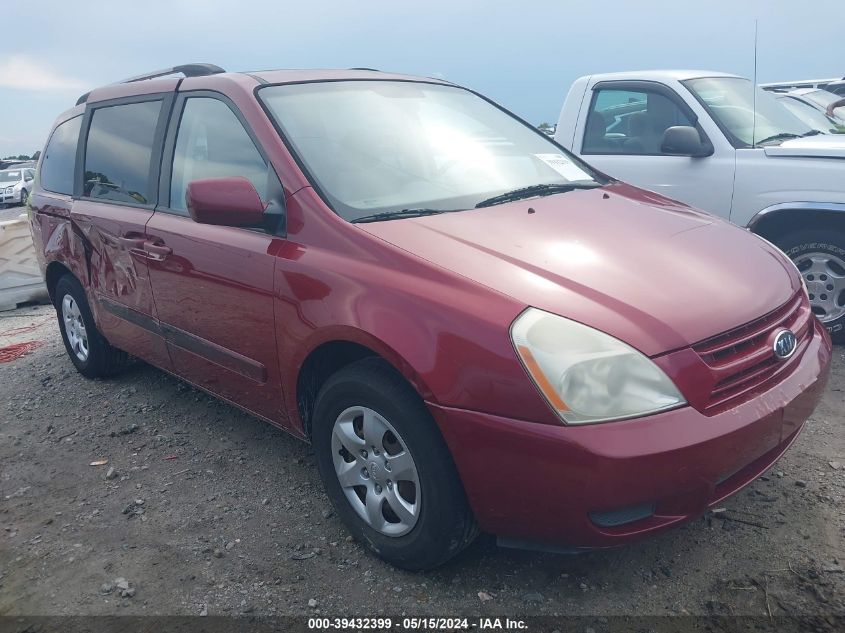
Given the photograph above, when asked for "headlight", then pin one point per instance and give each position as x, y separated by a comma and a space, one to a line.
10, 189
586, 375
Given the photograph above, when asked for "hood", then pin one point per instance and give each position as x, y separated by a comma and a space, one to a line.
649, 271
819, 146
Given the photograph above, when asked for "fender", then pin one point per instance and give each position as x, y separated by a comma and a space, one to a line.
346, 334
771, 211
63, 243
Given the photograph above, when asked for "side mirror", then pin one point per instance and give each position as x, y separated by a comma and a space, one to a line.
684, 140
224, 202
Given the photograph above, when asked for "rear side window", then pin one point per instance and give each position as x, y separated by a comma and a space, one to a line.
212, 143
59, 162
118, 152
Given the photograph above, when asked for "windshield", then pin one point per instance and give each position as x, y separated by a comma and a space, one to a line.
816, 119
386, 146
10, 176
731, 100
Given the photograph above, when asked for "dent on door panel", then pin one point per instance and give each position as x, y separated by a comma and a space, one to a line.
119, 279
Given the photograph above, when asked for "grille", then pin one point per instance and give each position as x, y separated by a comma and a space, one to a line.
742, 360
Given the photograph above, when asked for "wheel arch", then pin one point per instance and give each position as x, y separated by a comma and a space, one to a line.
55, 270
784, 218
329, 354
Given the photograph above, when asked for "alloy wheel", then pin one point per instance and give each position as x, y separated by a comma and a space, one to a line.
376, 471
75, 327
824, 274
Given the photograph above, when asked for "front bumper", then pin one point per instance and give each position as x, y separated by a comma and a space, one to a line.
9, 198
547, 484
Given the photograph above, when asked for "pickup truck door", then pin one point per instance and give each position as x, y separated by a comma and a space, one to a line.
620, 132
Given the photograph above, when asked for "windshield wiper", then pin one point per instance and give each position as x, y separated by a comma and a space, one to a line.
396, 215
783, 136
533, 191
811, 133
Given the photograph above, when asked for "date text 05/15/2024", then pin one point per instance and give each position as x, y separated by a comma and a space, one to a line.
417, 624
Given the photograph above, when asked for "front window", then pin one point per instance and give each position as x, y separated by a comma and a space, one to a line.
10, 176
212, 143
731, 101
377, 147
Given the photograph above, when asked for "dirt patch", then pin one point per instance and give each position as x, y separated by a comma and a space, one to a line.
202, 509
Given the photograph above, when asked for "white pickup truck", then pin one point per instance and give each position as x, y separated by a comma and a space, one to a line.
694, 136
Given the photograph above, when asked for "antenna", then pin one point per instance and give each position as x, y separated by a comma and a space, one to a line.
754, 93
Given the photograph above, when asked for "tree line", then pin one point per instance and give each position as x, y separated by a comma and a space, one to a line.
24, 156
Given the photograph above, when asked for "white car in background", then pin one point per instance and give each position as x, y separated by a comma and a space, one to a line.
694, 136
15, 185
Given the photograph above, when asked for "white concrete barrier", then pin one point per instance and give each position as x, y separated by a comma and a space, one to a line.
20, 277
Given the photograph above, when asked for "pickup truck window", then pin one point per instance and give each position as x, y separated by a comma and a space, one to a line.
731, 103
629, 122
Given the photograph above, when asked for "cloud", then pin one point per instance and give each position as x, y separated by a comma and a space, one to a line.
21, 72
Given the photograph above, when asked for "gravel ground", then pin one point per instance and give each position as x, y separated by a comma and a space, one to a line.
202, 509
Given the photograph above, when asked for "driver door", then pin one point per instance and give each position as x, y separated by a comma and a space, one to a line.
213, 285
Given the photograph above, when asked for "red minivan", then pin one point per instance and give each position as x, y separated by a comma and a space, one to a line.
474, 328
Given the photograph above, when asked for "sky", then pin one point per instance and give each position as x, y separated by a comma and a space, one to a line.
523, 54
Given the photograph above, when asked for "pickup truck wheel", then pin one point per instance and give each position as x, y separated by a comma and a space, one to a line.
386, 468
89, 351
820, 258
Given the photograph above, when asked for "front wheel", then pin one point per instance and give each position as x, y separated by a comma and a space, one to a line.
819, 256
24, 195
386, 468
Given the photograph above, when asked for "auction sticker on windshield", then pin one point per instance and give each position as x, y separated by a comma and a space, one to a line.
565, 167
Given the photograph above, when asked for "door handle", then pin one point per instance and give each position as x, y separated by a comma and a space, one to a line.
156, 252
131, 243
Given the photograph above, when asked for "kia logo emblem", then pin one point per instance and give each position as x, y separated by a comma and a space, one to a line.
785, 344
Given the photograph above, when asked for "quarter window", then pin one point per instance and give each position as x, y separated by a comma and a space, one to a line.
59, 163
119, 151
212, 143
630, 122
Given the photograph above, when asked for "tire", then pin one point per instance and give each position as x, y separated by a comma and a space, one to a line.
819, 255
89, 351
442, 524
24, 195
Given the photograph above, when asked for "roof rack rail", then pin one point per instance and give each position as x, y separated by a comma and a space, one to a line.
375, 70
189, 70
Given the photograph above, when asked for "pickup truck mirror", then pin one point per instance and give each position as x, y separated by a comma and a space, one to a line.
224, 202
684, 140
